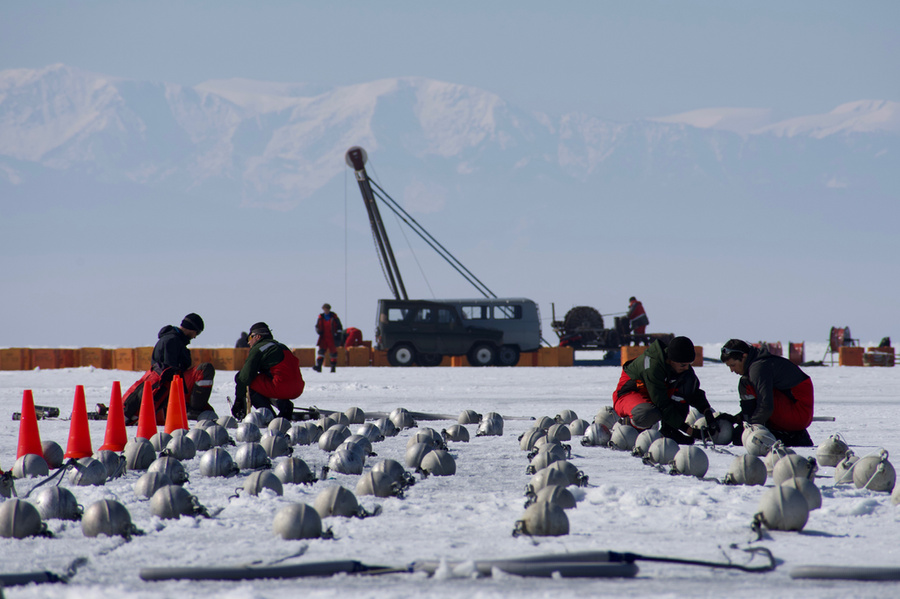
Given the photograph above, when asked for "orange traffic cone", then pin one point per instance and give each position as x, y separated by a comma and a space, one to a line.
176, 413
79, 432
147, 417
29, 436
116, 435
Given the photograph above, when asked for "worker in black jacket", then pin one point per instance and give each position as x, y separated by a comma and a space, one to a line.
171, 356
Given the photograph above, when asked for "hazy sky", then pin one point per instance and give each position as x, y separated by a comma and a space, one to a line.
616, 60
613, 60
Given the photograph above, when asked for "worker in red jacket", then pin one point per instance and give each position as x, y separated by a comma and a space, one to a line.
637, 318
330, 331
774, 392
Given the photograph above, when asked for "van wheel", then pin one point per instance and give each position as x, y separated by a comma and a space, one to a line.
429, 359
482, 354
508, 355
402, 354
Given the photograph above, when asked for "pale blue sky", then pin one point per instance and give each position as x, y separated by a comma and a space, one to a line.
616, 60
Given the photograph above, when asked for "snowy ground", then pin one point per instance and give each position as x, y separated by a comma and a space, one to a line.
627, 506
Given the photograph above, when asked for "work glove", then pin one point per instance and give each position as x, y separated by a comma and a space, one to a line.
239, 409
712, 424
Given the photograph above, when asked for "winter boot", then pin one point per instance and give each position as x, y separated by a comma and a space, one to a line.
794, 438
318, 366
334, 368
676, 435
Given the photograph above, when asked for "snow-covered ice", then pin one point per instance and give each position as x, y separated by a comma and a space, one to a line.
627, 506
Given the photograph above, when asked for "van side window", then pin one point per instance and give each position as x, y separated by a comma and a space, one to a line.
474, 312
507, 312
424, 315
445, 316
396, 314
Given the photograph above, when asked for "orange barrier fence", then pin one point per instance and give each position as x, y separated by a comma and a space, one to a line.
138, 358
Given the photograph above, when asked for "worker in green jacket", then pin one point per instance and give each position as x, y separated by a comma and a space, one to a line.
661, 386
271, 374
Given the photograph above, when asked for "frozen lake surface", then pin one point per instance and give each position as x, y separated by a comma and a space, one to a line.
627, 506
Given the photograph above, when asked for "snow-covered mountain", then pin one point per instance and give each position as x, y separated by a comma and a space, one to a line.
279, 144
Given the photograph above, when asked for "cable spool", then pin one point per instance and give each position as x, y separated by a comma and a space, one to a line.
558, 433
171, 468
578, 427
54, 502
337, 501
276, 446
280, 425
355, 415
87, 472
662, 451
160, 440
149, 482
832, 450
217, 462
379, 484
794, 466
456, 432
297, 521
53, 454
415, 453
623, 437
112, 461
543, 519
544, 423
201, 439
566, 417
875, 473
182, 448
529, 437
294, 471
346, 461
387, 427
810, 491
107, 517
843, 472
746, 470
263, 479
606, 417
19, 519
783, 508
545, 478
218, 436
370, 432
30, 464
644, 440
438, 462
559, 495
333, 437
247, 432
597, 435
491, 425
250, 456
227, 421
777, 452
691, 461
170, 502
468, 417
573, 474
759, 441
401, 418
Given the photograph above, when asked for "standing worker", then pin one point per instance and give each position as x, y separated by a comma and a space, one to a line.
637, 318
172, 356
774, 392
661, 385
271, 372
330, 331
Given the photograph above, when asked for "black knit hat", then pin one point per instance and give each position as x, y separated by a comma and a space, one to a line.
261, 328
193, 322
681, 349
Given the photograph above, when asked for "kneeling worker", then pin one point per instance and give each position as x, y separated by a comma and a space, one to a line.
661, 385
270, 375
774, 392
